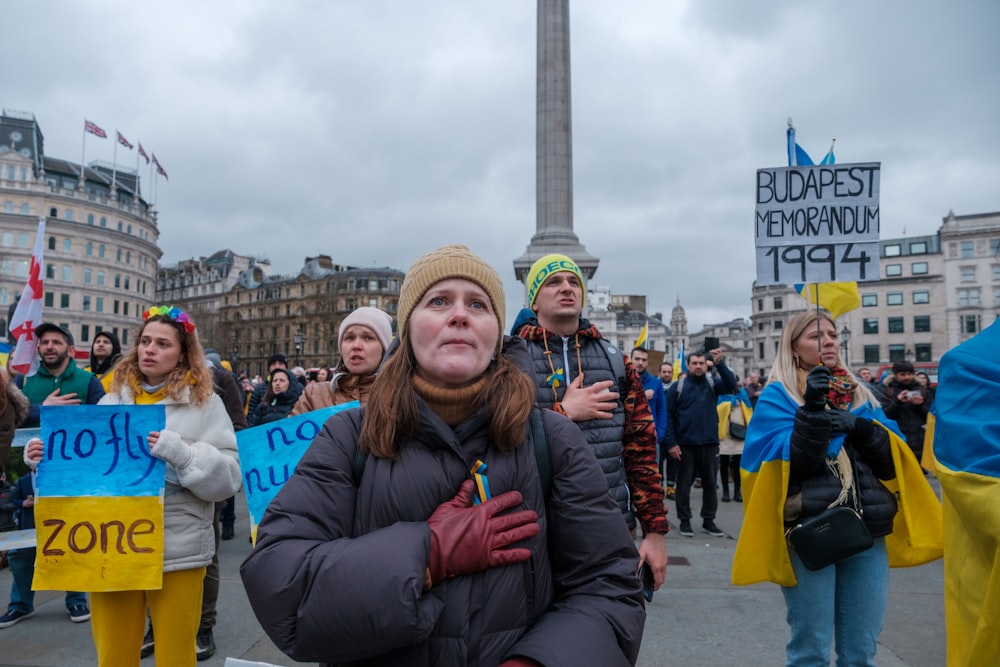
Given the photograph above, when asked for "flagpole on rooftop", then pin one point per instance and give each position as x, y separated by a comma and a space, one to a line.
83, 153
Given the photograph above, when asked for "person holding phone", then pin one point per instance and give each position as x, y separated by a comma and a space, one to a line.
408, 560
908, 405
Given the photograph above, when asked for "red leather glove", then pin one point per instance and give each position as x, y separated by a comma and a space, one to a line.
468, 538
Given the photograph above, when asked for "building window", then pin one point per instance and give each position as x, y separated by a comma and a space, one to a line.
897, 352
869, 300
968, 297
67, 245
921, 296
52, 243
921, 323
86, 302
893, 270
760, 326
918, 248
871, 354
968, 274
88, 276
777, 303
996, 296
127, 281
67, 273
970, 324
923, 351
895, 325
114, 308
85, 331
50, 271
967, 248
894, 298
90, 221
919, 268
870, 325
778, 324
64, 300
90, 249
893, 250
99, 305
100, 278
50, 299
118, 256
69, 214
100, 251
104, 222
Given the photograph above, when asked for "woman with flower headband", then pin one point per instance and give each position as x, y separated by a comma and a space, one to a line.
166, 366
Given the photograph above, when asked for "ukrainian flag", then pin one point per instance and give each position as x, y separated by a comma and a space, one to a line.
761, 553
5, 351
967, 449
836, 298
680, 363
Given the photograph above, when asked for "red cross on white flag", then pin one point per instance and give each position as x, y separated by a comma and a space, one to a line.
28, 313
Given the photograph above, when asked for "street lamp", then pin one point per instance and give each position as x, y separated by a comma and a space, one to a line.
235, 357
845, 344
298, 344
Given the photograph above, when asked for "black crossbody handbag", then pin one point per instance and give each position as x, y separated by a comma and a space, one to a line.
833, 534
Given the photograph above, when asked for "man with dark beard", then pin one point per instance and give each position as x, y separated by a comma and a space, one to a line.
58, 381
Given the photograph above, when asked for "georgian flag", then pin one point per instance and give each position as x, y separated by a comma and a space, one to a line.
28, 313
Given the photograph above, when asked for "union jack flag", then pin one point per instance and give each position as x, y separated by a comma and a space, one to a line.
143, 153
123, 141
94, 129
159, 168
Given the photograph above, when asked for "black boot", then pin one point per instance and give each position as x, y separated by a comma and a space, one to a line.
737, 493
725, 492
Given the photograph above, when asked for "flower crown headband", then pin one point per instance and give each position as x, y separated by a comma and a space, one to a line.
172, 312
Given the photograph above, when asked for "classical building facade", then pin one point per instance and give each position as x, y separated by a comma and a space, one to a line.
247, 314
100, 250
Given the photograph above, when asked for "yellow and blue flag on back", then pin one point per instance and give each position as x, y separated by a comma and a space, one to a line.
680, 363
967, 453
761, 552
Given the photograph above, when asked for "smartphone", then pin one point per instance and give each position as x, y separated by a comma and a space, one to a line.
645, 574
712, 343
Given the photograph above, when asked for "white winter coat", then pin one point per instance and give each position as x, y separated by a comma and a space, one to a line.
203, 467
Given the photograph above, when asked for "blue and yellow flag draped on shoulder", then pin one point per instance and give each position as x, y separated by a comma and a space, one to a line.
761, 552
726, 403
967, 452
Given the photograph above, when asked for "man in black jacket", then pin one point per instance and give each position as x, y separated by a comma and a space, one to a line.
693, 435
908, 405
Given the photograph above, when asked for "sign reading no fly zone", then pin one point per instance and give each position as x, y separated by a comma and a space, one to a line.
817, 224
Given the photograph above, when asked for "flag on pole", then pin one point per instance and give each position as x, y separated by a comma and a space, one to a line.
123, 141
680, 363
840, 297
28, 313
159, 168
143, 153
94, 129
643, 335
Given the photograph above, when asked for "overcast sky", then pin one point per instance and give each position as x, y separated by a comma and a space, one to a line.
375, 130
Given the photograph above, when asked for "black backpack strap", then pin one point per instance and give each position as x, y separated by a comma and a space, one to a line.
542, 456
617, 362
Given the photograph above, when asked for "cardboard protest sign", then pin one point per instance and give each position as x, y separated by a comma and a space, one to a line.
817, 224
270, 452
99, 510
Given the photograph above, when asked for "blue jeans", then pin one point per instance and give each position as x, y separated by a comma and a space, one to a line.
845, 600
22, 598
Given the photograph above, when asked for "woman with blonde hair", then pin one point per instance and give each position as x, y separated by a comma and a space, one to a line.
818, 439
166, 365
394, 563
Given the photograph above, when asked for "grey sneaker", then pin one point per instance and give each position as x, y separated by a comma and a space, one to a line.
14, 616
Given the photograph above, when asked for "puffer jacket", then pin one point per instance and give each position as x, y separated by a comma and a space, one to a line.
343, 388
338, 571
203, 467
812, 485
277, 408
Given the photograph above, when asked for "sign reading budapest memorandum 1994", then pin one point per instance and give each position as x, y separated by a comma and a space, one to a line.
817, 224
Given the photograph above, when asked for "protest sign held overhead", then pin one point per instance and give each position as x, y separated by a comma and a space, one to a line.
99, 511
817, 224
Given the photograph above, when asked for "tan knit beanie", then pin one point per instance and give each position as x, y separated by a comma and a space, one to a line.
451, 261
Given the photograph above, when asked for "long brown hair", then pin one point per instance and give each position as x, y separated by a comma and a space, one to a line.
191, 370
392, 416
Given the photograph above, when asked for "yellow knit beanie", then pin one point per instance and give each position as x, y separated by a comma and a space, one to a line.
451, 261
545, 267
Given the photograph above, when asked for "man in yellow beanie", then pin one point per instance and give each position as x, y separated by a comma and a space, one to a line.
576, 374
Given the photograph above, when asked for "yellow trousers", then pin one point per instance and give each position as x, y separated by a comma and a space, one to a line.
118, 621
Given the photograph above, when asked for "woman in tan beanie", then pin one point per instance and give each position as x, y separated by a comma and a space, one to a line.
363, 338
416, 531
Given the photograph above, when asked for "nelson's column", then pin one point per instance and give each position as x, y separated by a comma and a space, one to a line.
554, 147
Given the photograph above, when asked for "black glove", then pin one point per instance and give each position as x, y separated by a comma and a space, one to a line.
817, 387
841, 421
